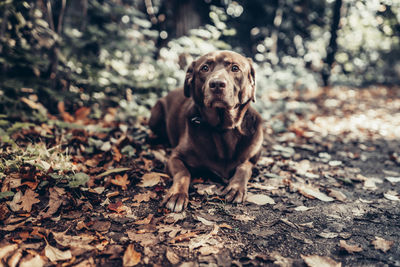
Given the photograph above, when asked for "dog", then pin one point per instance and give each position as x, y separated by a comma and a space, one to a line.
210, 124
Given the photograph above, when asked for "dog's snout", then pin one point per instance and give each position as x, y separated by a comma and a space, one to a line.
217, 84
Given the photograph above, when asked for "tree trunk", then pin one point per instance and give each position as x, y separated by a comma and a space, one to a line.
332, 47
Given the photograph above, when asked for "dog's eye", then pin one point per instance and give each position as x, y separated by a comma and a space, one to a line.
204, 68
235, 68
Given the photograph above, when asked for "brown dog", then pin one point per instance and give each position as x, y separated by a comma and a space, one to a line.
211, 125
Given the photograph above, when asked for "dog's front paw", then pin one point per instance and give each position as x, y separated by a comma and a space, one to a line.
235, 192
176, 202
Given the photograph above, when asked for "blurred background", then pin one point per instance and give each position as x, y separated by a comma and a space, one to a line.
126, 54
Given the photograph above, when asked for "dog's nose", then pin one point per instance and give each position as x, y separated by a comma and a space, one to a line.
217, 84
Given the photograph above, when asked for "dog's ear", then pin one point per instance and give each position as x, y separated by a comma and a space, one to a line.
249, 91
189, 80
252, 80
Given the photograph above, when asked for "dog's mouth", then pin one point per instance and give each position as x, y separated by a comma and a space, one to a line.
219, 103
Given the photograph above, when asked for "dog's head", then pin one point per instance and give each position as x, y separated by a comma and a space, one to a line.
221, 82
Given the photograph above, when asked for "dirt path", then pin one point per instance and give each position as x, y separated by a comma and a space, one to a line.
326, 190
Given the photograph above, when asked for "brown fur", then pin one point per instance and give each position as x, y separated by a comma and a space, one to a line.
211, 125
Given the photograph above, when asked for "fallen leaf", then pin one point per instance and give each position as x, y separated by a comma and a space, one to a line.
117, 207
225, 225
144, 197
121, 181
101, 226
392, 195
29, 199
328, 235
13, 204
206, 189
349, 248
117, 156
204, 221
393, 180
145, 239
243, 217
32, 261
259, 199
382, 244
14, 259
337, 194
310, 192
82, 113
302, 208
146, 220
370, 183
184, 237
65, 115
6, 250
208, 250
174, 217
172, 257
55, 201
151, 179
335, 163
320, 261
131, 256
54, 254
81, 241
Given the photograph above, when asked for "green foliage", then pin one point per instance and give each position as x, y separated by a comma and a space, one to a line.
108, 53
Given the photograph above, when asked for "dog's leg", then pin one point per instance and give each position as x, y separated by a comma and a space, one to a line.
177, 197
236, 191
157, 121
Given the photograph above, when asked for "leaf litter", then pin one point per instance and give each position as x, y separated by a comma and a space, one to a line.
88, 194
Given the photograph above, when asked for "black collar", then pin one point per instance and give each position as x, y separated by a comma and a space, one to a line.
196, 120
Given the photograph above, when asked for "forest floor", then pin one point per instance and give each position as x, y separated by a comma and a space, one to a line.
326, 191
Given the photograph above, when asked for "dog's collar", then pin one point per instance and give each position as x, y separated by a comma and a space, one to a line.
197, 120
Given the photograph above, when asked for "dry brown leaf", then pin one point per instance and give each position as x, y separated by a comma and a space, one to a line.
349, 248
101, 226
320, 261
184, 237
6, 250
13, 204
225, 225
174, 217
151, 179
14, 259
81, 241
55, 201
65, 115
382, 244
131, 256
117, 156
30, 261
54, 254
172, 257
121, 181
82, 113
145, 239
146, 220
144, 197
29, 199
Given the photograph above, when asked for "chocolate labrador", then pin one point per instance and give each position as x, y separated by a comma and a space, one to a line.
211, 125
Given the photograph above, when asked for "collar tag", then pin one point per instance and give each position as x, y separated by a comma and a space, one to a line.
195, 121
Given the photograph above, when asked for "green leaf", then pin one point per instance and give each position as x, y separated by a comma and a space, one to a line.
78, 179
6, 194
